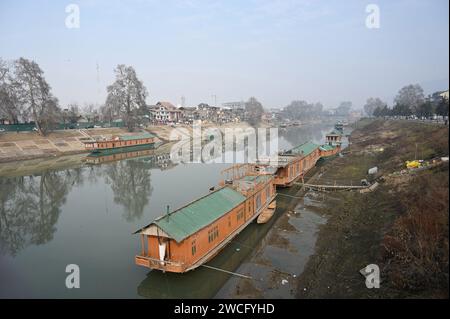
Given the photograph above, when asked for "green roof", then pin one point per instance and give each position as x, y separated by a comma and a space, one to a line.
334, 133
327, 147
189, 219
304, 149
136, 137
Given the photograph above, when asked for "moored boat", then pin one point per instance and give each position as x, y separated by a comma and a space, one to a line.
121, 143
267, 213
188, 237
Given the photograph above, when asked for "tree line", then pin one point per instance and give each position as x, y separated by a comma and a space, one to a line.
410, 101
26, 96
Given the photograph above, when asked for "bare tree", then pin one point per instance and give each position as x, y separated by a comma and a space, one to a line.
254, 110
73, 112
411, 96
34, 94
9, 104
126, 95
372, 104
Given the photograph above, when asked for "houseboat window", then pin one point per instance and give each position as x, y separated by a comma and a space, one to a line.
194, 247
268, 193
240, 214
258, 202
229, 221
213, 234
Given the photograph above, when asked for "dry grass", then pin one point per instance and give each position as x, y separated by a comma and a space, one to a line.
415, 251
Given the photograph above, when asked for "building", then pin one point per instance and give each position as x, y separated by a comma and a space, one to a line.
170, 112
159, 114
234, 105
444, 95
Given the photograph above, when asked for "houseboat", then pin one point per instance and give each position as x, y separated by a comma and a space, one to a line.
292, 165
339, 126
121, 143
188, 237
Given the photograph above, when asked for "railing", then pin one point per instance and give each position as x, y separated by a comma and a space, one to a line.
159, 264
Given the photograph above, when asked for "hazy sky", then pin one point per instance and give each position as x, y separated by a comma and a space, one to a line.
277, 51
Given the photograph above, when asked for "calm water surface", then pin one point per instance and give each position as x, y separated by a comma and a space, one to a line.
85, 214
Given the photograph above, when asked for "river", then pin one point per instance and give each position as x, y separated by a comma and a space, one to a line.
65, 211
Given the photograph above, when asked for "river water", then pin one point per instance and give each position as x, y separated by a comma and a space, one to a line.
63, 211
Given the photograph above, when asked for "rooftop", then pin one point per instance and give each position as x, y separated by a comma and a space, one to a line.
136, 137
303, 149
198, 214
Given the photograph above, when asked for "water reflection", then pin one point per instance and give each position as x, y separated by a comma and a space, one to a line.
130, 182
304, 133
30, 207
87, 209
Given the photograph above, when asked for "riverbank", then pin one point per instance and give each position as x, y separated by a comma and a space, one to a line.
402, 226
30, 145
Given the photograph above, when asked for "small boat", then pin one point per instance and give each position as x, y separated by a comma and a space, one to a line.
121, 143
267, 213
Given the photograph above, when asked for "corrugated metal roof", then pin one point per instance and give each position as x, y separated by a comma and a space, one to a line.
136, 137
304, 149
200, 213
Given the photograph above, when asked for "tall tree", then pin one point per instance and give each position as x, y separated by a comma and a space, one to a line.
344, 108
442, 107
372, 104
254, 110
9, 104
126, 95
411, 96
401, 110
425, 110
34, 94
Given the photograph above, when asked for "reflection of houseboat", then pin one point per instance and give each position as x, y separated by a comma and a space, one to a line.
190, 236
121, 143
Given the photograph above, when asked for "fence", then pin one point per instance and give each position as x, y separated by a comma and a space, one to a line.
26, 127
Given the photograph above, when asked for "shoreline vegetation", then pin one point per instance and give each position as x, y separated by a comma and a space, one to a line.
402, 226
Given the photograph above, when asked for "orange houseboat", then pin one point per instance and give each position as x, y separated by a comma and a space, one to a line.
295, 163
121, 143
188, 237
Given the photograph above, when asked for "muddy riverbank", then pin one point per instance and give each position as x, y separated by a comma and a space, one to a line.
318, 246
